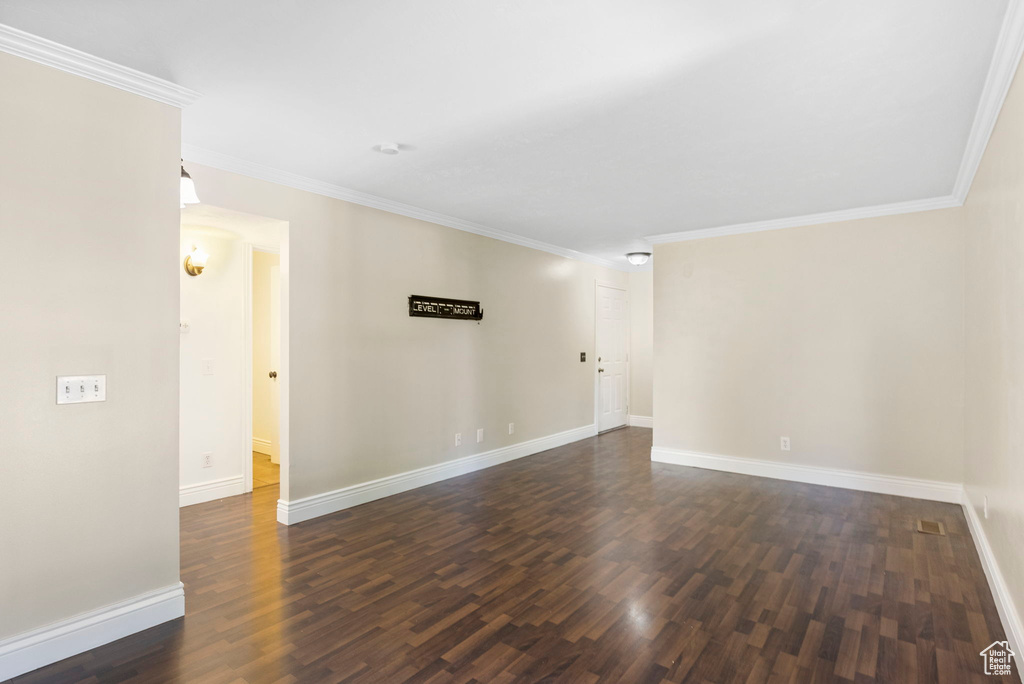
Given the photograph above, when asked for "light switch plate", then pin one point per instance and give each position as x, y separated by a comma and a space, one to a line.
81, 389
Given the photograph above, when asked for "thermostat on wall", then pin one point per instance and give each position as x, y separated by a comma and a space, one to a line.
80, 389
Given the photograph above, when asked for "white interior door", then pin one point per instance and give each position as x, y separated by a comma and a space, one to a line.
612, 357
274, 426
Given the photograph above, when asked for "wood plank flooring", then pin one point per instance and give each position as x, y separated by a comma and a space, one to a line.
264, 472
586, 563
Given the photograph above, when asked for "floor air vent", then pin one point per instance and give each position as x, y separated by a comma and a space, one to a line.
930, 527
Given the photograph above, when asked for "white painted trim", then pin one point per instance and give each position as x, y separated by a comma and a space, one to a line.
810, 219
28, 46
1005, 58
261, 445
40, 647
948, 492
641, 421
1008, 613
225, 162
614, 286
299, 510
212, 490
247, 305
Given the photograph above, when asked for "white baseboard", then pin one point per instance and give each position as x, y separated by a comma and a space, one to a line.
641, 421
211, 491
32, 650
948, 492
1000, 591
299, 510
261, 446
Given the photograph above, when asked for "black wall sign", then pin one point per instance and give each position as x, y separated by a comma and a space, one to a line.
440, 307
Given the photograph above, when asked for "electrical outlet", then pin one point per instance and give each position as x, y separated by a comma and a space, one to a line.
986, 506
208, 459
511, 428
207, 366
458, 439
479, 435
784, 443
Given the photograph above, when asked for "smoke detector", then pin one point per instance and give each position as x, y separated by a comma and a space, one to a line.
387, 148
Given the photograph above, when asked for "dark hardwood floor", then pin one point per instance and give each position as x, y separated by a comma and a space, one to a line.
586, 563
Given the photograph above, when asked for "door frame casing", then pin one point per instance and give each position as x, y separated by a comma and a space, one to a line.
598, 284
250, 247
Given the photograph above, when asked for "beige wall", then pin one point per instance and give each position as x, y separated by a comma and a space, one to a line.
89, 227
213, 406
409, 384
994, 453
264, 420
848, 338
641, 343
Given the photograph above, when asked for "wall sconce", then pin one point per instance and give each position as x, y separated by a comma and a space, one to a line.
188, 188
196, 261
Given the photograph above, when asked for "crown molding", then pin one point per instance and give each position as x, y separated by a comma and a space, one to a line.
1005, 58
225, 162
28, 46
893, 209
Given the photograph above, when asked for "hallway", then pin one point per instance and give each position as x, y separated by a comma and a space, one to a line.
264, 471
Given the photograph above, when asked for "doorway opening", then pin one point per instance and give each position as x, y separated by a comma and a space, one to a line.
612, 367
232, 361
265, 297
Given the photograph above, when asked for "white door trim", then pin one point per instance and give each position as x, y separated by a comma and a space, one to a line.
247, 355
597, 384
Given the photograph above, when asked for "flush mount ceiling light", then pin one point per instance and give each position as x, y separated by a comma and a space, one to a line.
638, 258
195, 262
188, 188
387, 148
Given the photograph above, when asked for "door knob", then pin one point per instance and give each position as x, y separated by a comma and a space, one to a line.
600, 370
273, 374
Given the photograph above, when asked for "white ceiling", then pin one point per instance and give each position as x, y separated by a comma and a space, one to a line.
586, 124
